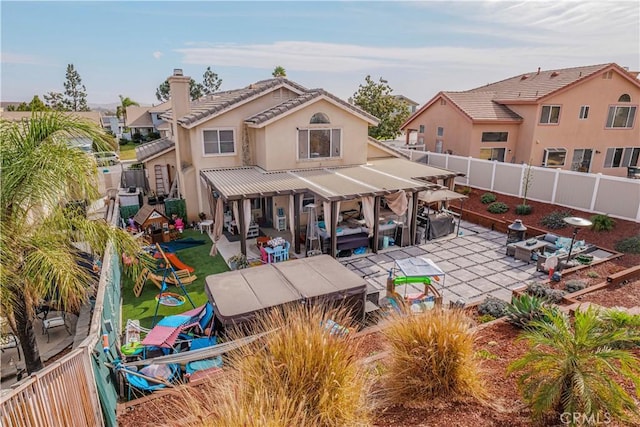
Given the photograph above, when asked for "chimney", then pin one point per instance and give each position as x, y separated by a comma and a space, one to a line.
179, 91
538, 70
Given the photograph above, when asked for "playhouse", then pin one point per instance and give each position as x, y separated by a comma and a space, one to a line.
154, 223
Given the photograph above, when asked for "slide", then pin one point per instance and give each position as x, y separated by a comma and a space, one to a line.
173, 259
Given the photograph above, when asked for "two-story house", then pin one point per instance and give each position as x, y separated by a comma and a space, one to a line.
264, 151
581, 119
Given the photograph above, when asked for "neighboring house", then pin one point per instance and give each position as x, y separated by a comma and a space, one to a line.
581, 119
144, 120
413, 105
84, 143
270, 148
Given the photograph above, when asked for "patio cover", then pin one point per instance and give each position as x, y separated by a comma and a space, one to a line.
238, 296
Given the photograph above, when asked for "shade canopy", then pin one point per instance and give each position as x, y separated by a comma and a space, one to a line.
419, 266
577, 221
239, 296
441, 195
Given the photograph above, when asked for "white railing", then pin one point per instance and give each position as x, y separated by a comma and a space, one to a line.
597, 193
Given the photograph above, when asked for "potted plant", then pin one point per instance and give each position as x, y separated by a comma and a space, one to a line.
238, 261
202, 216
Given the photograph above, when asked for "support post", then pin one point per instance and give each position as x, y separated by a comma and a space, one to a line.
334, 238
413, 228
376, 219
242, 228
296, 223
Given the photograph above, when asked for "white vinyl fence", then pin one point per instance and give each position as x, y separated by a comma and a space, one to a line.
618, 197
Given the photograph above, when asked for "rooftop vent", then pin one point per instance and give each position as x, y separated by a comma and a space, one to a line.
555, 74
524, 77
538, 70
177, 71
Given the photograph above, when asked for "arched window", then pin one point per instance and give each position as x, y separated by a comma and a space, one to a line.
624, 98
319, 118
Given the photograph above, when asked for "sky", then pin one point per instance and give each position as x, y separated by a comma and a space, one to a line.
418, 47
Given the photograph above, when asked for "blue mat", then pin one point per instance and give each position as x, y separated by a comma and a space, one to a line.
176, 245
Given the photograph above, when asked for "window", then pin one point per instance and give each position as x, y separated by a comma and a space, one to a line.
218, 141
492, 154
319, 118
256, 204
581, 161
622, 157
307, 199
554, 157
443, 102
319, 143
608, 75
421, 129
440, 131
495, 136
624, 98
550, 114
584, 112
621, 117
439, 146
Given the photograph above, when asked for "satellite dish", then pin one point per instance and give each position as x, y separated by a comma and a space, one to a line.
551, 262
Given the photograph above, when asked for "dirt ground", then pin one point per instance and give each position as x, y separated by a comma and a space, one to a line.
603, 239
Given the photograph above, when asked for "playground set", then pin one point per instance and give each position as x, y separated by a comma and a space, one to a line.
418, 270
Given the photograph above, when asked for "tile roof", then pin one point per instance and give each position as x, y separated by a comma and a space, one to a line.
211, 105
535, 85
160, 108
378, 177
309, 95
481, 106
138, 117
150, 149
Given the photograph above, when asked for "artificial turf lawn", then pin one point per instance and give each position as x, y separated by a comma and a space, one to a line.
143, 307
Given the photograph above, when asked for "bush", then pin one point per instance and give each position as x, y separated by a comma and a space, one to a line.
485, 318
592, 274
572, 368
137, 138
525, 309
614, 319
524, 209
124, 141
630, 245
602, 223
151, 136
493, 307
555, 219
498, 208
432, 355
487, 198
296, 375
574, 286
464, 190
540, 290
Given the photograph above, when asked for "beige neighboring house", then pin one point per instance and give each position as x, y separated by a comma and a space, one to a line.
265, 151
582, 119
144, 120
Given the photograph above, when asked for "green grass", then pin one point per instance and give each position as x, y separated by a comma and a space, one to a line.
143, 307
128, 152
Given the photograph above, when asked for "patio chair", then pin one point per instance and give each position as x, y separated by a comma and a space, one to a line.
279, 253
264, 256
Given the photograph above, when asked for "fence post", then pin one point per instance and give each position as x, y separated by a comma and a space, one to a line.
446, 161
521, 180
493, 173
469, 170
594, 196
555, 187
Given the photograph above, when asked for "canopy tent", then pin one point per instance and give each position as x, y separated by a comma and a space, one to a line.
239, 296
440, 195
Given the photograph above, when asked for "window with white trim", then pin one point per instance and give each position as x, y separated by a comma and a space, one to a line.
440, 131
621, 117
319, 143
550, 114
554, 157
218, 141
584, 112
421, 129
621, 157
492, 154
581, 161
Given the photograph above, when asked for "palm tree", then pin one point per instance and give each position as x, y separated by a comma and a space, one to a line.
279, 71
41, 174
570, 370
121, 110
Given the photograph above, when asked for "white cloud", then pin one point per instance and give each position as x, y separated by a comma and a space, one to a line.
22, 59
157, 54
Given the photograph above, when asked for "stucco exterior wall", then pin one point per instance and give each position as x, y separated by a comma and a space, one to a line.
163, 160
281, 138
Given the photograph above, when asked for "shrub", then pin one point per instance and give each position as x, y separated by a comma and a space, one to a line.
151, 136
431, 355
486, 354
525, 309
498, 208
540, 290
124, 141
602, 223
574, 286
524, 209
555, 219
592, 274
487, 198
464, 190
137, 138
574, 369
296, 375
616, 319
630, 245
493, 307
485, 318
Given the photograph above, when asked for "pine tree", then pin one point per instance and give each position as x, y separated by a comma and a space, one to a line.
210, 82
75, 91
54, 101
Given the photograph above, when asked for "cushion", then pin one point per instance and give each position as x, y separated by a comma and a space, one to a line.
550, 237
321, 224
